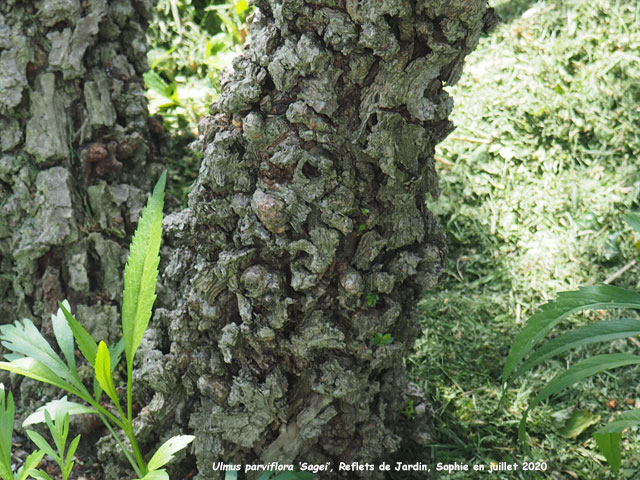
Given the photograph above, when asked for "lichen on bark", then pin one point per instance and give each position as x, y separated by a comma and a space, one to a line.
307, 234
77, 158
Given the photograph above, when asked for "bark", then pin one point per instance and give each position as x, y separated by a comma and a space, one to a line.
77, 157
307, 234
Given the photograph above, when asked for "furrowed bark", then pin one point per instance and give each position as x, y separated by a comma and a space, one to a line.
307, 235
78, 157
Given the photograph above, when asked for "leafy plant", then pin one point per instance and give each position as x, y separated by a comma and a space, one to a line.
603, 297
372, 299
33, 357
7, 414
59, 429
380, 339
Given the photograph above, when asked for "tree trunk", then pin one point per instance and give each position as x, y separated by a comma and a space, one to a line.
77, 156
307, 238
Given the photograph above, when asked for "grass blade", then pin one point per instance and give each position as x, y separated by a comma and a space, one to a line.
598, 297
596, 332
141, 273
577, 372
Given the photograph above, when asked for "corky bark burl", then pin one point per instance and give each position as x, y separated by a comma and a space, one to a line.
307, 234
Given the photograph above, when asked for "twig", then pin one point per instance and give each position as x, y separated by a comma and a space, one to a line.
620, 272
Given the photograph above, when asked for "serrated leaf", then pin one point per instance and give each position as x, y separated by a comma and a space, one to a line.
596, 297
64, 335
55, 407
609, 446
30, 463
25, 339
167, 450
574, 374
577, 423
596, 332
87, 345
141, 273
103, 372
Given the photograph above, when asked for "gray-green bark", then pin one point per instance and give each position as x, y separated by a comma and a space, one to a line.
76, 157
307, 234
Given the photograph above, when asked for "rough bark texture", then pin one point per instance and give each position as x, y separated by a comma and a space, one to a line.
307, 234
76, 157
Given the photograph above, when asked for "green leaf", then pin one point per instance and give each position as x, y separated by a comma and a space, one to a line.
596, 332
579, 421
167, 450
578, 372
116, 352
141, 273
30, 463
156, 475
601, 297
156, 83
103, 372
73, 446
633, 220
26, 340
233, 475
7, 414
264, 476
40, 475
623, 421
55, 407
28, 367
609, 445
42, 444
64, 335
87, 345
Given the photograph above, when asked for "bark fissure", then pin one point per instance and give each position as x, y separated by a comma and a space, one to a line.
307, 233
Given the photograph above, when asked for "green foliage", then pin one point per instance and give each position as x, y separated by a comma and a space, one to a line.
33, 357
191, 43
601, 297
527, 203
380, 339
59, 429
7, 414
409, 411
372, 299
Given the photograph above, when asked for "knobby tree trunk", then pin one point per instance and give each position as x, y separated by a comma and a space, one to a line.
76, 157
307, 235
